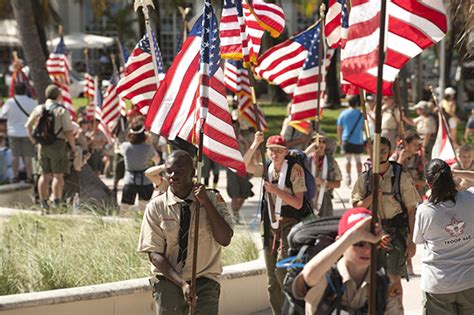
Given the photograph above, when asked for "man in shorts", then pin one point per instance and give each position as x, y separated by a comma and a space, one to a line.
53, 158
350, 124
17, 110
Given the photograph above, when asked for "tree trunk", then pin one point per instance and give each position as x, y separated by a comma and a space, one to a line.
34, 56
39, 19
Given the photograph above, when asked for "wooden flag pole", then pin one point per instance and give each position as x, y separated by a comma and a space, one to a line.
366, 121
376, 158
144, 5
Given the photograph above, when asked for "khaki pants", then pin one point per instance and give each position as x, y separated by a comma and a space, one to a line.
460, 303
277, 251
169, 299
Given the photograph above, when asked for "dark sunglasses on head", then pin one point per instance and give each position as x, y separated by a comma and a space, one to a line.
361, 244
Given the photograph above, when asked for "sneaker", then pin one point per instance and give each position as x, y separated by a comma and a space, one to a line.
44, 206
56, 203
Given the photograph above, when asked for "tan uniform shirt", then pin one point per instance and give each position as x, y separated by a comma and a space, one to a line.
61, 119
353, 296
390, 118
390, 206
334, 171
296, 179
160, 234
425, 125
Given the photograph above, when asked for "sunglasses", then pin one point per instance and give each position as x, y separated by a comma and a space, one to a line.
361, 244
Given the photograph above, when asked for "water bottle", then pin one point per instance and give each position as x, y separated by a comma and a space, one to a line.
76, 203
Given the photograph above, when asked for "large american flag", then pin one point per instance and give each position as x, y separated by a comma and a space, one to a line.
139, 81
58, 68
412, 27
172, 110
236, 79
282, 64
310, 85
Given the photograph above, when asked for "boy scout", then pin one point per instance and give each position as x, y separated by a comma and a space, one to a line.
327, 175
286, 200
391, 212
167, 237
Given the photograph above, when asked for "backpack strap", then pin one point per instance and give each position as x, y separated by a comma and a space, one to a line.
21, 108
332, 296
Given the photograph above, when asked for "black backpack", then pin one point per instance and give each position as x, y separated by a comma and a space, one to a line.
44, 133
305, 240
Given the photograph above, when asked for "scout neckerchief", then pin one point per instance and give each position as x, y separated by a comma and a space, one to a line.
281, 185
324, 175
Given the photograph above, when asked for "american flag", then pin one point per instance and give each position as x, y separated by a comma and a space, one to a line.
139, 82
171, 112
240, 33
270, 16
412, 27
58, 68
89, 85
282, 64
310, 85
336, 23
111, 106
98, 103
236, 79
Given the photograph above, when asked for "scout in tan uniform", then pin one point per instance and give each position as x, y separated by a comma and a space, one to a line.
53, 158
352, 243
327, 175
410, 156
391, 213
390, 120
167, 237
288, 204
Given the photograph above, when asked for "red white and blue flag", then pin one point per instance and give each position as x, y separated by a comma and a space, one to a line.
412, 26
111, 107
173, 109
311, 82
98, 115
139, 81
58, 68
236, 79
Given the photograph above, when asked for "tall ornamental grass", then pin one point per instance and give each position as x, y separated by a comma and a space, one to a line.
40, 253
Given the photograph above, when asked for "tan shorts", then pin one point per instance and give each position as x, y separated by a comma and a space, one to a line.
21, 146
450, 303
54, 158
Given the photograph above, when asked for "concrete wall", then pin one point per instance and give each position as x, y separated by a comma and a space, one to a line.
19, 194
243, 292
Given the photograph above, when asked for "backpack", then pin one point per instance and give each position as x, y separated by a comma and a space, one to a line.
397, 173
44, 133
299, 157
305, 240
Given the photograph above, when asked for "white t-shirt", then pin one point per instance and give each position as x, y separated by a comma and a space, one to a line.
446, 231
16, 119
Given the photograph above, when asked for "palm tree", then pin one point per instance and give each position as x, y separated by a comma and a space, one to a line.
31, 42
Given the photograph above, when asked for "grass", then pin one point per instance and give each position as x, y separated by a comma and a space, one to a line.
44, 253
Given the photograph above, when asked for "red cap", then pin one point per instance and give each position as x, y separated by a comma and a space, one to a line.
351, 217
276, 142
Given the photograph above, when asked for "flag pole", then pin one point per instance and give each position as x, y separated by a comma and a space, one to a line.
366, 121
184, 13
144, 5
322, 13
376, 157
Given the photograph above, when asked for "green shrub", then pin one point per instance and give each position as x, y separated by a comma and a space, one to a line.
45, 253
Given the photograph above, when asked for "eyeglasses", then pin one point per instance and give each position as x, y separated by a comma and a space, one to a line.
361, 244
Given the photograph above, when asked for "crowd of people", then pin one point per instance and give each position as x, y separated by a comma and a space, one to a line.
421, 200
